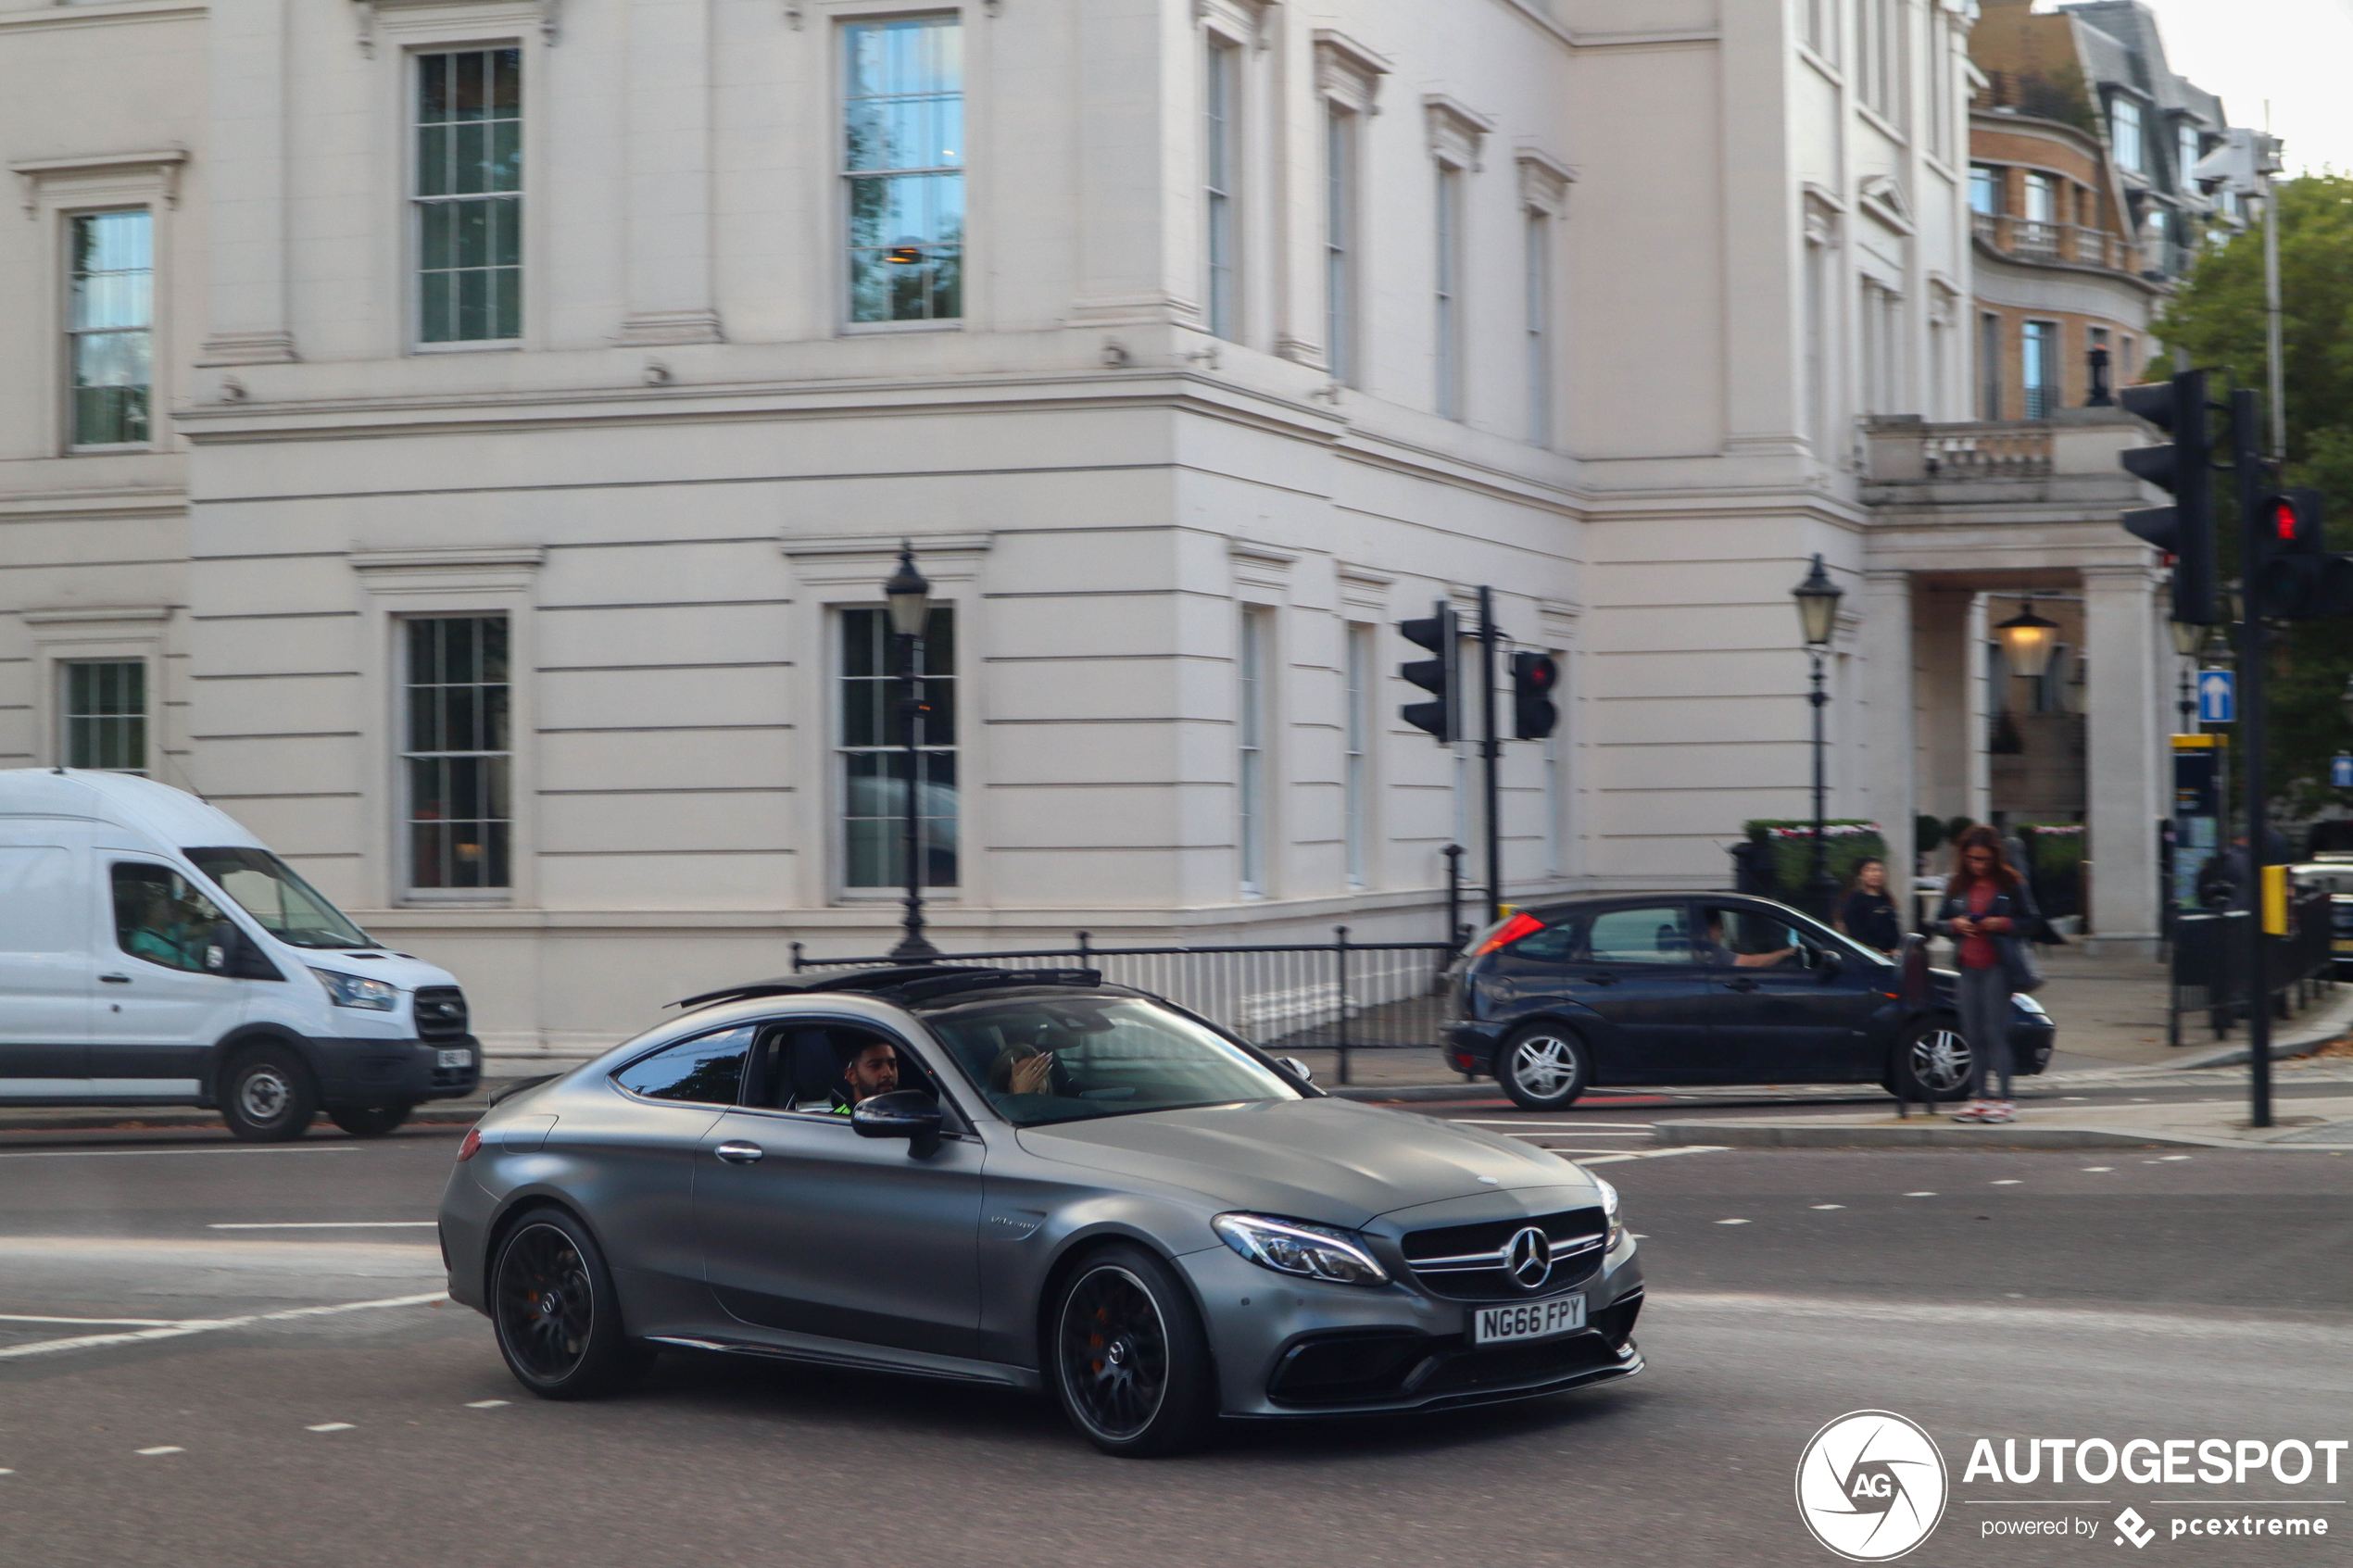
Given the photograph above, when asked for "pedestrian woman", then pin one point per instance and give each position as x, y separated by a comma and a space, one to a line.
1986, 910
1868, 914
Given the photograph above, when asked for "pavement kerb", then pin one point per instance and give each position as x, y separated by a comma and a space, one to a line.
2332, 1022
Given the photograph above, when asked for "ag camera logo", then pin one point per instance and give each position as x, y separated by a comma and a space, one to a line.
1871, 1486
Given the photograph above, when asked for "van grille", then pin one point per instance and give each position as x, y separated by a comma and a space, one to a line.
441, 1012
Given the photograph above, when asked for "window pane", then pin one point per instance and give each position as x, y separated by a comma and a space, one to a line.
469, 144
458, 766
111, 308
708, 1070
903, 115
160, 917
874, 773
1649, 935
105, 719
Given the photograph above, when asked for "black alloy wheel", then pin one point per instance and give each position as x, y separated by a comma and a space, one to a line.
1932, 1062
268, 1095
1543, 1067
1129, 1360
553, 1304
369, 1120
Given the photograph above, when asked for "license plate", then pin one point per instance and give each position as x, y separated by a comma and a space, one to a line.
459, 1058
1531, 1320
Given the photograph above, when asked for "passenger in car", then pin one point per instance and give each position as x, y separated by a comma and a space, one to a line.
871, 1070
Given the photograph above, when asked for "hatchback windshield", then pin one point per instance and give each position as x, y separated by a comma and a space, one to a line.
287, 907
1061, 1058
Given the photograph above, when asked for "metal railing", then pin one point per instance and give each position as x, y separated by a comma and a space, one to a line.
2036, 239
1338, 996
2208, 971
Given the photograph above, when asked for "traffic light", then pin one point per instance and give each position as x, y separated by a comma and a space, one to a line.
2297, 580
1533, 677
1442, 717
2185, 529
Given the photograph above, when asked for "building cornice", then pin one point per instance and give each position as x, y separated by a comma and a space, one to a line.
114, 15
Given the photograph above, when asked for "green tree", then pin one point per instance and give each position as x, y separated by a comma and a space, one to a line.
2218, 319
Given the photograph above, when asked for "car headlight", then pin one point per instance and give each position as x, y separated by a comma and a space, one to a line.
2028, 1004
351, 991
1293, 1246
1609, 1212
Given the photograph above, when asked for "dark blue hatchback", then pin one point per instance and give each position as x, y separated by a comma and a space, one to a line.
1664, 988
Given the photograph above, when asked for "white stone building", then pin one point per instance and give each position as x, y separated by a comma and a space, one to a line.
536, 391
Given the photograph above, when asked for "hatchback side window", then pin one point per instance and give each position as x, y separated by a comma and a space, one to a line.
706, 1069
160, 917
1745, 938
1661, 934
1553, 944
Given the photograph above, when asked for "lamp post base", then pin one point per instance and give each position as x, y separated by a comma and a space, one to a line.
914, 946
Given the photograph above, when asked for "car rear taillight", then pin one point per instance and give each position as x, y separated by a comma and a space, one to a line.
474, 1141
1503, 936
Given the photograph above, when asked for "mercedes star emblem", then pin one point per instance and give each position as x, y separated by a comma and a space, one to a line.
1528, 1257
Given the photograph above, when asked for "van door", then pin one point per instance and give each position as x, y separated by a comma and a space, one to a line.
45, 966
161, 999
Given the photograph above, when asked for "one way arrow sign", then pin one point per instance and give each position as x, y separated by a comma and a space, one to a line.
2217, 697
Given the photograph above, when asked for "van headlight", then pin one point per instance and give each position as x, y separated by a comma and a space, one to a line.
351, 991
1293, 1246
1609, 1213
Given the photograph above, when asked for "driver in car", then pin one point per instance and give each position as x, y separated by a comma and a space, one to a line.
1714, 952
873, 1071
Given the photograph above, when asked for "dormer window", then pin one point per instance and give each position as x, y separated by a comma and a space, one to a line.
2125, 134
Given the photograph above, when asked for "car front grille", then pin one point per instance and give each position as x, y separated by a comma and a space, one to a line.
441, 1012
1466, 1264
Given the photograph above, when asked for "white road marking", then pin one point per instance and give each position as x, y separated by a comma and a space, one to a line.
2099, 1166
2168, 1159
1523, 1122
93, 1322
2007, 1182
167, 1449
207, 1325
1658, 1153
1830, 1206
125, 1153
7, 1472
1919, 1195
323, 1224
330, 1427
1781, 1311
483, 1404
1731, 1221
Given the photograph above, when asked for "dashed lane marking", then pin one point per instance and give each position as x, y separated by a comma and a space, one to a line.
330, 1427
1523, 1122
208, 1326
485, 1404
1830, 1206
323, 1224
2168, 1159
1919, 1195
166, 1448
1731, 1221
2099, 1168
2007, 1182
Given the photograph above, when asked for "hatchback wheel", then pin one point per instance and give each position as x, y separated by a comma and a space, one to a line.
268, 1096
1543, 1068
1933, 1062
1129, 1357
557, 1320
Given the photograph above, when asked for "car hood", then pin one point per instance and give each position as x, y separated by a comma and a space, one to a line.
1331, 1160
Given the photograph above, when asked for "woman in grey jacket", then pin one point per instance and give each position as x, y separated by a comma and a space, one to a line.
1987, 912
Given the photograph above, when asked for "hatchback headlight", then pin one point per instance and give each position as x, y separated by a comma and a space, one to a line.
2028, 1004
351, 991
1293, 1246
1609, 1212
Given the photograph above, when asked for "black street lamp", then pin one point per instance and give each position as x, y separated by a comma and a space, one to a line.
1817, 599
909, 598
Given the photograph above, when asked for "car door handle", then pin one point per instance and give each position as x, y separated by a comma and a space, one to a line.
116, 979
1740, 984
739, 1154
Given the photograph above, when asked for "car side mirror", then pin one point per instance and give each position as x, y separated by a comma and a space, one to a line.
1828, 962
1296, 1067
902, 1114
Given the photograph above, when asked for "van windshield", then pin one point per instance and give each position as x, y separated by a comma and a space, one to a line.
287, 907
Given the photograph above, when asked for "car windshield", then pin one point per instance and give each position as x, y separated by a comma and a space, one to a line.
287, 907
1064, 1057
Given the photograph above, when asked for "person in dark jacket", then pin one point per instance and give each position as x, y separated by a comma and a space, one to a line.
1986, 911
1868, 914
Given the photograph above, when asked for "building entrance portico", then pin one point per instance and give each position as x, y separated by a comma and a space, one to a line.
1966, 531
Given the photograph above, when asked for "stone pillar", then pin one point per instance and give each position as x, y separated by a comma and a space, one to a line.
1888, 716
2124, 740
245, 170
669, 174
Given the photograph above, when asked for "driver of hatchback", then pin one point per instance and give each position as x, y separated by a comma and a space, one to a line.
871, 1070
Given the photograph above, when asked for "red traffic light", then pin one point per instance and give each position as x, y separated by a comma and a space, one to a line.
2293, 521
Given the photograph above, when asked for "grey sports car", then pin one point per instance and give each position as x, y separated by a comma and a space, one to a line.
1033, 1179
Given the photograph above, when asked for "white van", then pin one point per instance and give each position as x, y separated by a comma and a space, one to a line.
153, 952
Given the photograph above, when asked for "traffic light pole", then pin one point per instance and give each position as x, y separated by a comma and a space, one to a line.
1491, 751
2247, 458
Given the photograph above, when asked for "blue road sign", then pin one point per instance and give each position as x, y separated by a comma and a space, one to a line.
2218, 701
2341, 772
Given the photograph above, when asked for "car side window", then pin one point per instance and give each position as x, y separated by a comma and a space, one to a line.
706, 1069
1553, 944
160, 917
1745, 938
798, 1065
1656, 935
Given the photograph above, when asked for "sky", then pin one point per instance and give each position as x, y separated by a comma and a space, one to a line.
2297, 53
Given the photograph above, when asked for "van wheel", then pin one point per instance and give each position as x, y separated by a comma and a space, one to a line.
269, 1096
369, 1120
1543, 1068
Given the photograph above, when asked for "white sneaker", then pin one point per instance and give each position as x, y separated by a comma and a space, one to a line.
1975, 1111
2000, 1111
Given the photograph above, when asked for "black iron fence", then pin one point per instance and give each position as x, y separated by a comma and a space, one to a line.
2211, 962
1338, 996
